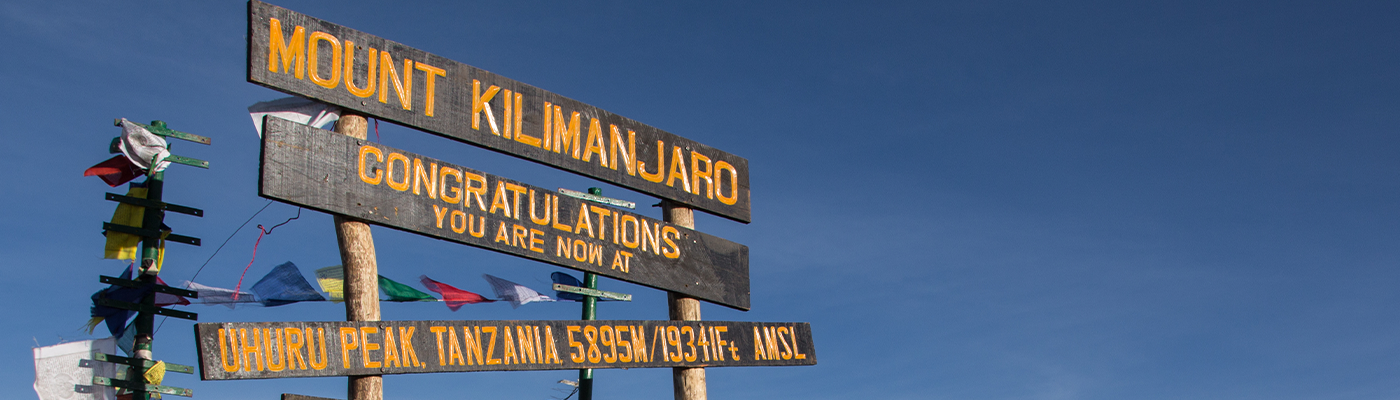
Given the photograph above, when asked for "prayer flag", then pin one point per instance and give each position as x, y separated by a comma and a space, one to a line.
209, 295
115, 171
332, 281
515, 293
58, 376
454, 297
143, 147
122, 246
285, 285
401, 292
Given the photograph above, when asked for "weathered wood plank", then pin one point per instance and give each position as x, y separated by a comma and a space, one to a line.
258, 350
305, 56
338, 174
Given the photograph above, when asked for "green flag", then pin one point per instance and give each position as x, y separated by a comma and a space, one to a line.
401, 292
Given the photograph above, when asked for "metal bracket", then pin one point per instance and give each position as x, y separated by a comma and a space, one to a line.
141, 285
137, 201
598, 199
170, 390
106, 302
167, 132
603, 294
142, 363
187, 161
131, 230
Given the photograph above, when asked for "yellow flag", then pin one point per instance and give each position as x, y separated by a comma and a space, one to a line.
156, 374
332, 281
123, 246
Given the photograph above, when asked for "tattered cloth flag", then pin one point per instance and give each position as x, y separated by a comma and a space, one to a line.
454, 297
58, 376
332, 281
209, 295
115, 317
296, 109
284, 285
513, 292
143, 147
401, 292
115, 171
122, 246
139, 148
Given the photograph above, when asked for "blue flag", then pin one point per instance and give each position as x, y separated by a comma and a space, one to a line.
285, 285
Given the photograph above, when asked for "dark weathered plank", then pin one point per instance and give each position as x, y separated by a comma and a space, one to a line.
256, 350
454, 100
338, 174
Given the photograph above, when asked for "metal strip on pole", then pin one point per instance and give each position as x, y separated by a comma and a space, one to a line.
361, 271
689, 383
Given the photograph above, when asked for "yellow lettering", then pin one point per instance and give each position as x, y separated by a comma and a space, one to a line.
677, 170
366, 346
389, 171
628, 155
594, 144
666, 233
403, 88
224, 340
660, 164
353, 342
278, 48
733, 174
702, 175
482, 102
432, 72
371, 62
313, 63
453, 196
421, 175
378, 156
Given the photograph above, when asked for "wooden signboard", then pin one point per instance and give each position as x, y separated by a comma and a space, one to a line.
305, 56
339, 174
257, 350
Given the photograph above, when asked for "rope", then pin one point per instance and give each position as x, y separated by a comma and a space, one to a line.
261, 232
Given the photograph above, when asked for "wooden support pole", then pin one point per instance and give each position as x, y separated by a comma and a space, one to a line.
361, 271
689, 383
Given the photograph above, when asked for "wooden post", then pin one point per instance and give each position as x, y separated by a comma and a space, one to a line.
689, 383
361, 271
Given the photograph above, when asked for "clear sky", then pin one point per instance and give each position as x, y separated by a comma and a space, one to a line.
973, 200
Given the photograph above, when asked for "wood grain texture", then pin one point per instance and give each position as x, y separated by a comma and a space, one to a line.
687, 383
321, 170
360, 269
260, 350
454, 107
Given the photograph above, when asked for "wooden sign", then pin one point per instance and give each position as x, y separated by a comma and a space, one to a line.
257, 350
339, 174
305, 56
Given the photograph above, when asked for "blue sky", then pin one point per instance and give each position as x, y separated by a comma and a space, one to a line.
976, 200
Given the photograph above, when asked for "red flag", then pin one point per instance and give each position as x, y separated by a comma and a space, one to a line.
115, 171
454, 297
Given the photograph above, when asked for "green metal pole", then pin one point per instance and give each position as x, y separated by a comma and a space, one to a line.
590, 313
150, 251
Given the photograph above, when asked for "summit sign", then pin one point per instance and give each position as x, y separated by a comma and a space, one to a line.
305, 56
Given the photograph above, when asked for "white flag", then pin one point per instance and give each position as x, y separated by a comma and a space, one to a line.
296, 109
513, 292
209, 295
58, 376
141, 146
